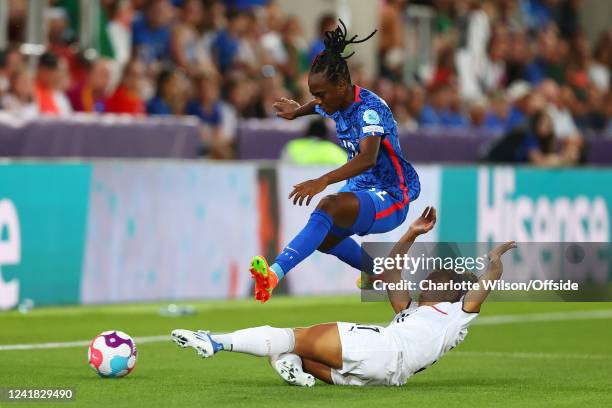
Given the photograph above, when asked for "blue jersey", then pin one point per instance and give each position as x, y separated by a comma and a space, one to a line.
370, 116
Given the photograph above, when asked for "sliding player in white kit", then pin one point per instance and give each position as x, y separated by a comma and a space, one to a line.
354, 354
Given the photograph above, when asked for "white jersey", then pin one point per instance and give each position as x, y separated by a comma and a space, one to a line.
426, 333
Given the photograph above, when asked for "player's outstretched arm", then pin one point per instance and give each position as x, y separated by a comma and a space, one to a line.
290, 109
474, 298
400, 299
365, 160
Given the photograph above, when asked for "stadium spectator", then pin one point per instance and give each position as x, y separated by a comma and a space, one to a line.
90, 95
213, 20
208, 107
445, 72
270, 90
120, 35
534, 144
564, 125
482, 74
497, 117
538, 146
502, 55
6, 70
601, 65
295, 47
59, 35
440, 109
241, 97
225, 46
551, 53
127, 97
151, 32
171, 94
477, 113
4, 74
519, 96
414, 106
587, 108
519, 57
399, 106
186, 49
327, 22
48, 87
539, 13
391, 44
271, 27
19, 100
251, 56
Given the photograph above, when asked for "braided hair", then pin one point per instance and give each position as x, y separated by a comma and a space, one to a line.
331, 61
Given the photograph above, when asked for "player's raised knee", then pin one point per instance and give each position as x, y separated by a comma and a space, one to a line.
330, 204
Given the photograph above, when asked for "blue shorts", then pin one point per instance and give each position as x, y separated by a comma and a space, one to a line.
379, 212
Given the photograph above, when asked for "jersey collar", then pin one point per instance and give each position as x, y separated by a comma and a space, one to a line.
356, 101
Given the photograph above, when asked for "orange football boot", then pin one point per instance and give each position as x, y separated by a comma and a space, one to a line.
265, 278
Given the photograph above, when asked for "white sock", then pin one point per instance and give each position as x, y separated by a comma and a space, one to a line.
223, 339
258, 341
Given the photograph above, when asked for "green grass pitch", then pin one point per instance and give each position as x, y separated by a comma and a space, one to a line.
563, 361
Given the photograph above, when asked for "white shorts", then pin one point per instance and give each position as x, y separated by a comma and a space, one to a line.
370, 356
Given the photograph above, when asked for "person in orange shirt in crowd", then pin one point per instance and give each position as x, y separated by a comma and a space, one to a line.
126, 98
50, 99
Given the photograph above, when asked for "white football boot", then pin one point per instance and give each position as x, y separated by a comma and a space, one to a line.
291, 372
200, 340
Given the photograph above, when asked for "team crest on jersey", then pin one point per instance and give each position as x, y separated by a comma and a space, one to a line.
371, 117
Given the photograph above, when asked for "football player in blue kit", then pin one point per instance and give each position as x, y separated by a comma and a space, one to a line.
380, 183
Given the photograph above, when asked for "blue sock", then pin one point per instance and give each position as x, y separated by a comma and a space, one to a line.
304, 243
350, 252
278, 270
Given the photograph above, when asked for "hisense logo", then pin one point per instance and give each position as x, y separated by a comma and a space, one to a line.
503, 215
10, 252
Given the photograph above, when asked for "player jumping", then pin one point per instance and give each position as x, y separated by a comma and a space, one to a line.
353, 354
380, 182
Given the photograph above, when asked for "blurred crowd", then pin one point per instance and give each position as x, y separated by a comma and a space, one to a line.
498, 66
520, 68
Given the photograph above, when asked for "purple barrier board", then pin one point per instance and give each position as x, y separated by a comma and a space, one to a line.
100, 136
266, 139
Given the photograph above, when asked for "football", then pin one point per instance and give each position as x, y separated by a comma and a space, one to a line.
112, 354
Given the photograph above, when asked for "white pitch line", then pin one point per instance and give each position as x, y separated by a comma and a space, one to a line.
80, 343
484, 320
513, 354
544, 317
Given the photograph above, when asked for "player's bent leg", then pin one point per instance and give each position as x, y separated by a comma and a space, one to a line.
320, 343
343, 208
319, 370
330, 241
289, 367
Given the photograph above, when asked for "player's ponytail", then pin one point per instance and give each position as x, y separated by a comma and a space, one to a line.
331, 60
335, 41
